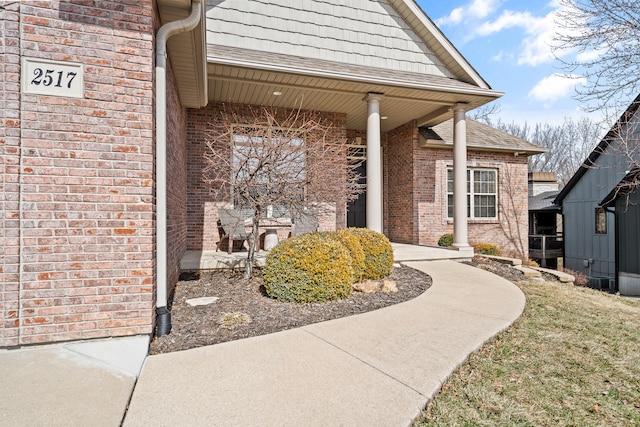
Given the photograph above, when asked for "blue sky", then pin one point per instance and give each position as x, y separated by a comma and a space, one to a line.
509, 43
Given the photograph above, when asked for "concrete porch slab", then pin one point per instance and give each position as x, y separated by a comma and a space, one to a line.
212, 260
403, 252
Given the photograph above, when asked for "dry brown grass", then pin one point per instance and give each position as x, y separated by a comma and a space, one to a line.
572, 359
233, 320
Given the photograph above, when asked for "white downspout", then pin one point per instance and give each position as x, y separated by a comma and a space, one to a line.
163, 316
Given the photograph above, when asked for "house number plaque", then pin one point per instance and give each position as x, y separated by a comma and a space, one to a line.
43, 77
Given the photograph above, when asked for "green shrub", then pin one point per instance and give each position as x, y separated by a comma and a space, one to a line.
446, 240
311, 267
378, 253
487, 249
352, 243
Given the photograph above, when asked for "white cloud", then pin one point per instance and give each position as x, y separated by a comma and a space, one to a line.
498, 56
555, 86
476, 9
535, 47
538, 32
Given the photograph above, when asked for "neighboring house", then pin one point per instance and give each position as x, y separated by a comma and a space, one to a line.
589, 228
102, 141
625, 202
545, 220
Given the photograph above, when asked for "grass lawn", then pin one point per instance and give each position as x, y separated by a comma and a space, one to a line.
572, 359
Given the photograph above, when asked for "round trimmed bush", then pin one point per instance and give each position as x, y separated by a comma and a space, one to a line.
310, 267
446, 240
378, 253
352, 243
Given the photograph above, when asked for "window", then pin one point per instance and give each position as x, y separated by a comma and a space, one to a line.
482, 193
601, 221
268, 168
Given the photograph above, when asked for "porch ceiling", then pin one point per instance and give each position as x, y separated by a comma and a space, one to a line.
249, 77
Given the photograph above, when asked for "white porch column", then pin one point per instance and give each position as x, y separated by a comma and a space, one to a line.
374, 163
460, 232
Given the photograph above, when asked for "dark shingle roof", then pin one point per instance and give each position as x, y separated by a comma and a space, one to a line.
481, 136
543, 202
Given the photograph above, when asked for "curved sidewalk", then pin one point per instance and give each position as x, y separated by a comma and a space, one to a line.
378, 368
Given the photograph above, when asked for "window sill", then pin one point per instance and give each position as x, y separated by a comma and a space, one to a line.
478, 221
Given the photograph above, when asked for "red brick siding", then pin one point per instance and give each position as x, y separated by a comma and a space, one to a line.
9, 174
86, 195
402, 187
509, 232
202, 215
176, 182
417, 194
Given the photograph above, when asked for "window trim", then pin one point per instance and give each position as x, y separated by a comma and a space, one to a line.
471, 193
600, 226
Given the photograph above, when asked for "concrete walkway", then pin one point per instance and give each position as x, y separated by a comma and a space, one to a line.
379, 368
86, 383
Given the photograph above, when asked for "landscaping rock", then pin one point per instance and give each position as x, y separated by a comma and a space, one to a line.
389, 286
366, 287
528, 272
201, 301
560, 275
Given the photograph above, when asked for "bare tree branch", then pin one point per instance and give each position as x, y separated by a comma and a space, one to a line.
291, 161
623, 145
486, 113
605, 34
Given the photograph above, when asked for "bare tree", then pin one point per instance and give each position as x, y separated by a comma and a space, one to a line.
606, 36
569, 143
486, 113
263, 159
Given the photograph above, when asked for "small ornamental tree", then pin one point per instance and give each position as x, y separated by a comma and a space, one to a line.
287, 162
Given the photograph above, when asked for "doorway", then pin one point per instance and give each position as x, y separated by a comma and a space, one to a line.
357, 209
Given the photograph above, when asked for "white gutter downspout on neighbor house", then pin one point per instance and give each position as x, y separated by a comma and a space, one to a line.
163, 316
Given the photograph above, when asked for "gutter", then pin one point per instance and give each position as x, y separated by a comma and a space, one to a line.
163, 316
354, 77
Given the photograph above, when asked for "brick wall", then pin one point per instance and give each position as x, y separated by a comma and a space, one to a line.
509, 231
9, 174
403, 186
202, 203
176, 182
417, 194
86, 166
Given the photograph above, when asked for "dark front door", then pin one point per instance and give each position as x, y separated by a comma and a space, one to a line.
357, 210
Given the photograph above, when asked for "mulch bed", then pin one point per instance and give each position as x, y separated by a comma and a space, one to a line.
254, 313
259, 314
